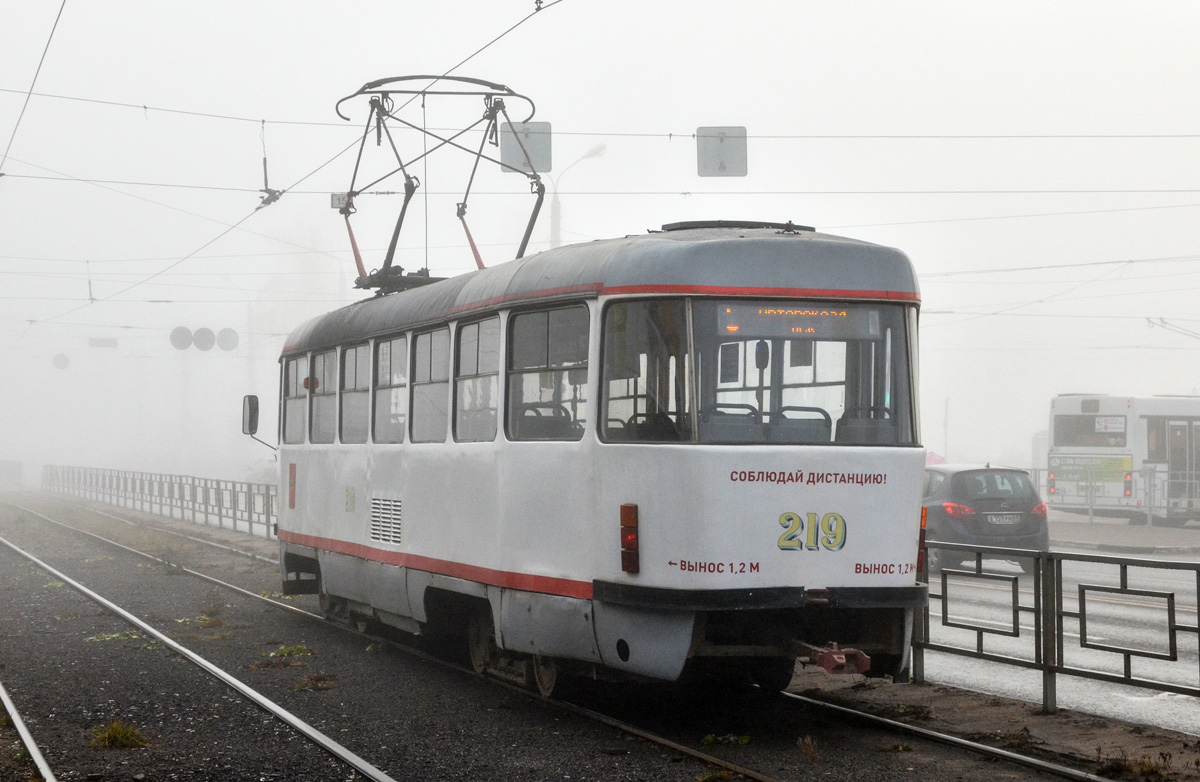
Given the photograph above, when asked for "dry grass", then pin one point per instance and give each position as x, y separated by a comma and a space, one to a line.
1144, 767
808, 748
118, 735
295, 650
318, 681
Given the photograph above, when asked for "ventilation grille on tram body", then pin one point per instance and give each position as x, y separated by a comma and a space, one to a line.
385, 520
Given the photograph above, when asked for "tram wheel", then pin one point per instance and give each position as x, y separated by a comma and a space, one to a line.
773, 674
544, 674
479, 638
333, 608
884, 664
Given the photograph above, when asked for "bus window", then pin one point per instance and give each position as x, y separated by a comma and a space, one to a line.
646, 371
477, 381
356, 385
1089, 431
322, 394
547, 374
431, 386
391, 389
295, 383
1156, 439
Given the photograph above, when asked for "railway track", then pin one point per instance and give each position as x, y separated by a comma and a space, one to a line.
732, 758
26, 738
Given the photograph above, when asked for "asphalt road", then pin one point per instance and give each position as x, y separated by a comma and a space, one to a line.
1137, 622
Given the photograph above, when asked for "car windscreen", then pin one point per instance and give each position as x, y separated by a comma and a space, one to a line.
992, 485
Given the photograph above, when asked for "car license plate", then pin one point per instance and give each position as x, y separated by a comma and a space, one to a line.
1006, 519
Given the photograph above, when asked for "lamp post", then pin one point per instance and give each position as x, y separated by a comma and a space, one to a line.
555, 206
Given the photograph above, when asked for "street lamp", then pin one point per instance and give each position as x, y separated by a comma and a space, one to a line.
555, 206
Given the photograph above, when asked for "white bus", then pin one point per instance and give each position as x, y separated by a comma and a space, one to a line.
1125, 457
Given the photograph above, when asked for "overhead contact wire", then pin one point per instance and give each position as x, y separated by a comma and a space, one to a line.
228, 230
29, 93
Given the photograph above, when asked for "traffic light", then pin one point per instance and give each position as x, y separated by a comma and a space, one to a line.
203, 338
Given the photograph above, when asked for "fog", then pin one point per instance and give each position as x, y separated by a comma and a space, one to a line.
1038, 162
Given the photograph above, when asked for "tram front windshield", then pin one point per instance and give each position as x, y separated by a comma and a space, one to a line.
757, 371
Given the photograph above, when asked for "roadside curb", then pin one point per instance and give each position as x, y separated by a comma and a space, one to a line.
1120, 549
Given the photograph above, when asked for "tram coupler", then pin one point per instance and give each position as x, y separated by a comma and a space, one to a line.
835, 660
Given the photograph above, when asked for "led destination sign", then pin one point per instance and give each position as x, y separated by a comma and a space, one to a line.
798, 321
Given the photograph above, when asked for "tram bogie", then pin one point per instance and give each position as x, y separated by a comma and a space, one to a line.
642, 455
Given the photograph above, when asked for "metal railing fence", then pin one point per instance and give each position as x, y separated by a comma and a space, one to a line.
241, 506
1027, 624
1128, 598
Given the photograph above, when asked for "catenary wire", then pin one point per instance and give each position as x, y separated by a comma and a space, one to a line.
29, 92
687, 193
231, 228
228, 230
656, 134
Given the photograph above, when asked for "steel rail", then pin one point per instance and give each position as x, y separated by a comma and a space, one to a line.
26, 737
192, 538
176, 565
975, 747
570, 707
932, 735
312, 734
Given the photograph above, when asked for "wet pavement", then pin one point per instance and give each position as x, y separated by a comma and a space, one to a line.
1069, 532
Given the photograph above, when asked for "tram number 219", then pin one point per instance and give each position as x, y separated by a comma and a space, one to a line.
807, 532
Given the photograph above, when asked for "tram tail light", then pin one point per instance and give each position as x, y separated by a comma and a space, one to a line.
629, 538
1128, 484
921, 541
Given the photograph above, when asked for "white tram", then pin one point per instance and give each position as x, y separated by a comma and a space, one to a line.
654, 455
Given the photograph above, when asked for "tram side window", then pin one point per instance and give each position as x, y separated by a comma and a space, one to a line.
646, 371
391, 389
356, 385
431, 386
322, 388
547, 374
295, 382
477, 381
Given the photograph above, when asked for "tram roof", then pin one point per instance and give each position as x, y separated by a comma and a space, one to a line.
711, 259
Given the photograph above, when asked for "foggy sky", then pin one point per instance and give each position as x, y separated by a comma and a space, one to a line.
1015, 152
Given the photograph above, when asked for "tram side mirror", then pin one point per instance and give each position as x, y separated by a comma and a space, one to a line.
250, 414
762, 354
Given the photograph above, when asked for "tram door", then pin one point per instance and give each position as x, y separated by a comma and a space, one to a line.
1183, 460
